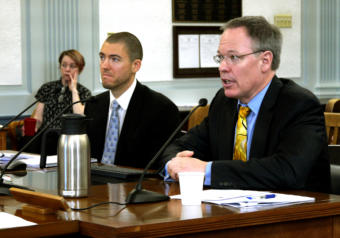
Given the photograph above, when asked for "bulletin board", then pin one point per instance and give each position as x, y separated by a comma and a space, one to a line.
205, 10
193, 50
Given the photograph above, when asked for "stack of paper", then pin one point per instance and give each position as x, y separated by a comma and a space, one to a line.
249, 198
32, 160
10, 221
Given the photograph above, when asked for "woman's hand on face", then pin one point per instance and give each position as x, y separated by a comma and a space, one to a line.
72, 83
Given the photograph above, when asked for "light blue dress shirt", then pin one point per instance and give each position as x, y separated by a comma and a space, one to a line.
254, 105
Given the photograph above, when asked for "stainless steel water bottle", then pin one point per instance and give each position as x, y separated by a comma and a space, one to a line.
73, 157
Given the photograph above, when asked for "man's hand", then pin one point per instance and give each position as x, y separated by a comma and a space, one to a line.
184, 162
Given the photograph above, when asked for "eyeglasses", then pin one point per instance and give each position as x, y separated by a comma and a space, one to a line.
232, 58
72, 66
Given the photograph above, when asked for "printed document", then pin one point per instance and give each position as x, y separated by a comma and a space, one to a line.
248, 198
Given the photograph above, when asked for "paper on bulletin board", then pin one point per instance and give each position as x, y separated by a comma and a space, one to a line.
208, 49
188, 47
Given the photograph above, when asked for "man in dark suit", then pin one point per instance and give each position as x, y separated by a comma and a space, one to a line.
145, 118
285, 146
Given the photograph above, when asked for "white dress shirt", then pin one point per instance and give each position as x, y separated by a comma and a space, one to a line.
123, 102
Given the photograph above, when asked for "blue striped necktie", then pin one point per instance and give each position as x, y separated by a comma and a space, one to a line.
111, 139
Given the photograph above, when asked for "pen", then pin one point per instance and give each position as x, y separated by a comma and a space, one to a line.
266, 196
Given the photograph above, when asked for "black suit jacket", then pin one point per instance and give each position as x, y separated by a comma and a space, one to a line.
150, 119
289, 145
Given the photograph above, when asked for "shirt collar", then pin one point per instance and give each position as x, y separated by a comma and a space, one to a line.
125, 98
255, 102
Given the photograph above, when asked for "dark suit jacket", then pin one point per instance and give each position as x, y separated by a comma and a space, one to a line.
289, 145
150, 119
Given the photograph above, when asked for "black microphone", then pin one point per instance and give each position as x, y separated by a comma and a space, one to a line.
62, 92
17, 116
92, 98
139, 195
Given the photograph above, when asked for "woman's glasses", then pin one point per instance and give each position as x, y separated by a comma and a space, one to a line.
72, 66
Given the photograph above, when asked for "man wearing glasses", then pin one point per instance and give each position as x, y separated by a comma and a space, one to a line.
262, 132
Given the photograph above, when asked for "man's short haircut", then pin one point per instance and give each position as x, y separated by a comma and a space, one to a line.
131, 42
75, 56
264, 35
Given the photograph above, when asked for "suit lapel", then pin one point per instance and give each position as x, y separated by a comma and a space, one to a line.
101, 119
131, 121
134, 109
104, 103
231, 124
223, 111
262, 128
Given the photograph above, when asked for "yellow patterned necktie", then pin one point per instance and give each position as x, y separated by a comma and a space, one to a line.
240, 150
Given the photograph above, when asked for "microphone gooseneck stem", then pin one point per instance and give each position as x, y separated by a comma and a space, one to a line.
17, 116
36, 136
139, 195
202, 102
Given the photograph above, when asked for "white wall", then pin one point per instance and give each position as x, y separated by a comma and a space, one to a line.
290, 66
150, 21
10, 43
312, 42
45, 28
153, 26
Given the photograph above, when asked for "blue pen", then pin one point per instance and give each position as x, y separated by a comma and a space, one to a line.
266, 196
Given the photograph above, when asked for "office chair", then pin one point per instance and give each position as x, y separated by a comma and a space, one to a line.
198, 116
14, 132
332, 122
333, 105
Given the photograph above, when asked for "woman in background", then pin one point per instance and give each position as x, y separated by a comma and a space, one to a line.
56, 95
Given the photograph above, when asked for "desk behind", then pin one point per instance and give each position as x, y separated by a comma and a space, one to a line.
170, 218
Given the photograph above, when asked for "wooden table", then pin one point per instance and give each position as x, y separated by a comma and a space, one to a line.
170, 219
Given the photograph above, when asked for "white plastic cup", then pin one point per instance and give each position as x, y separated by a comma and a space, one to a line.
191, 187
191, 212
